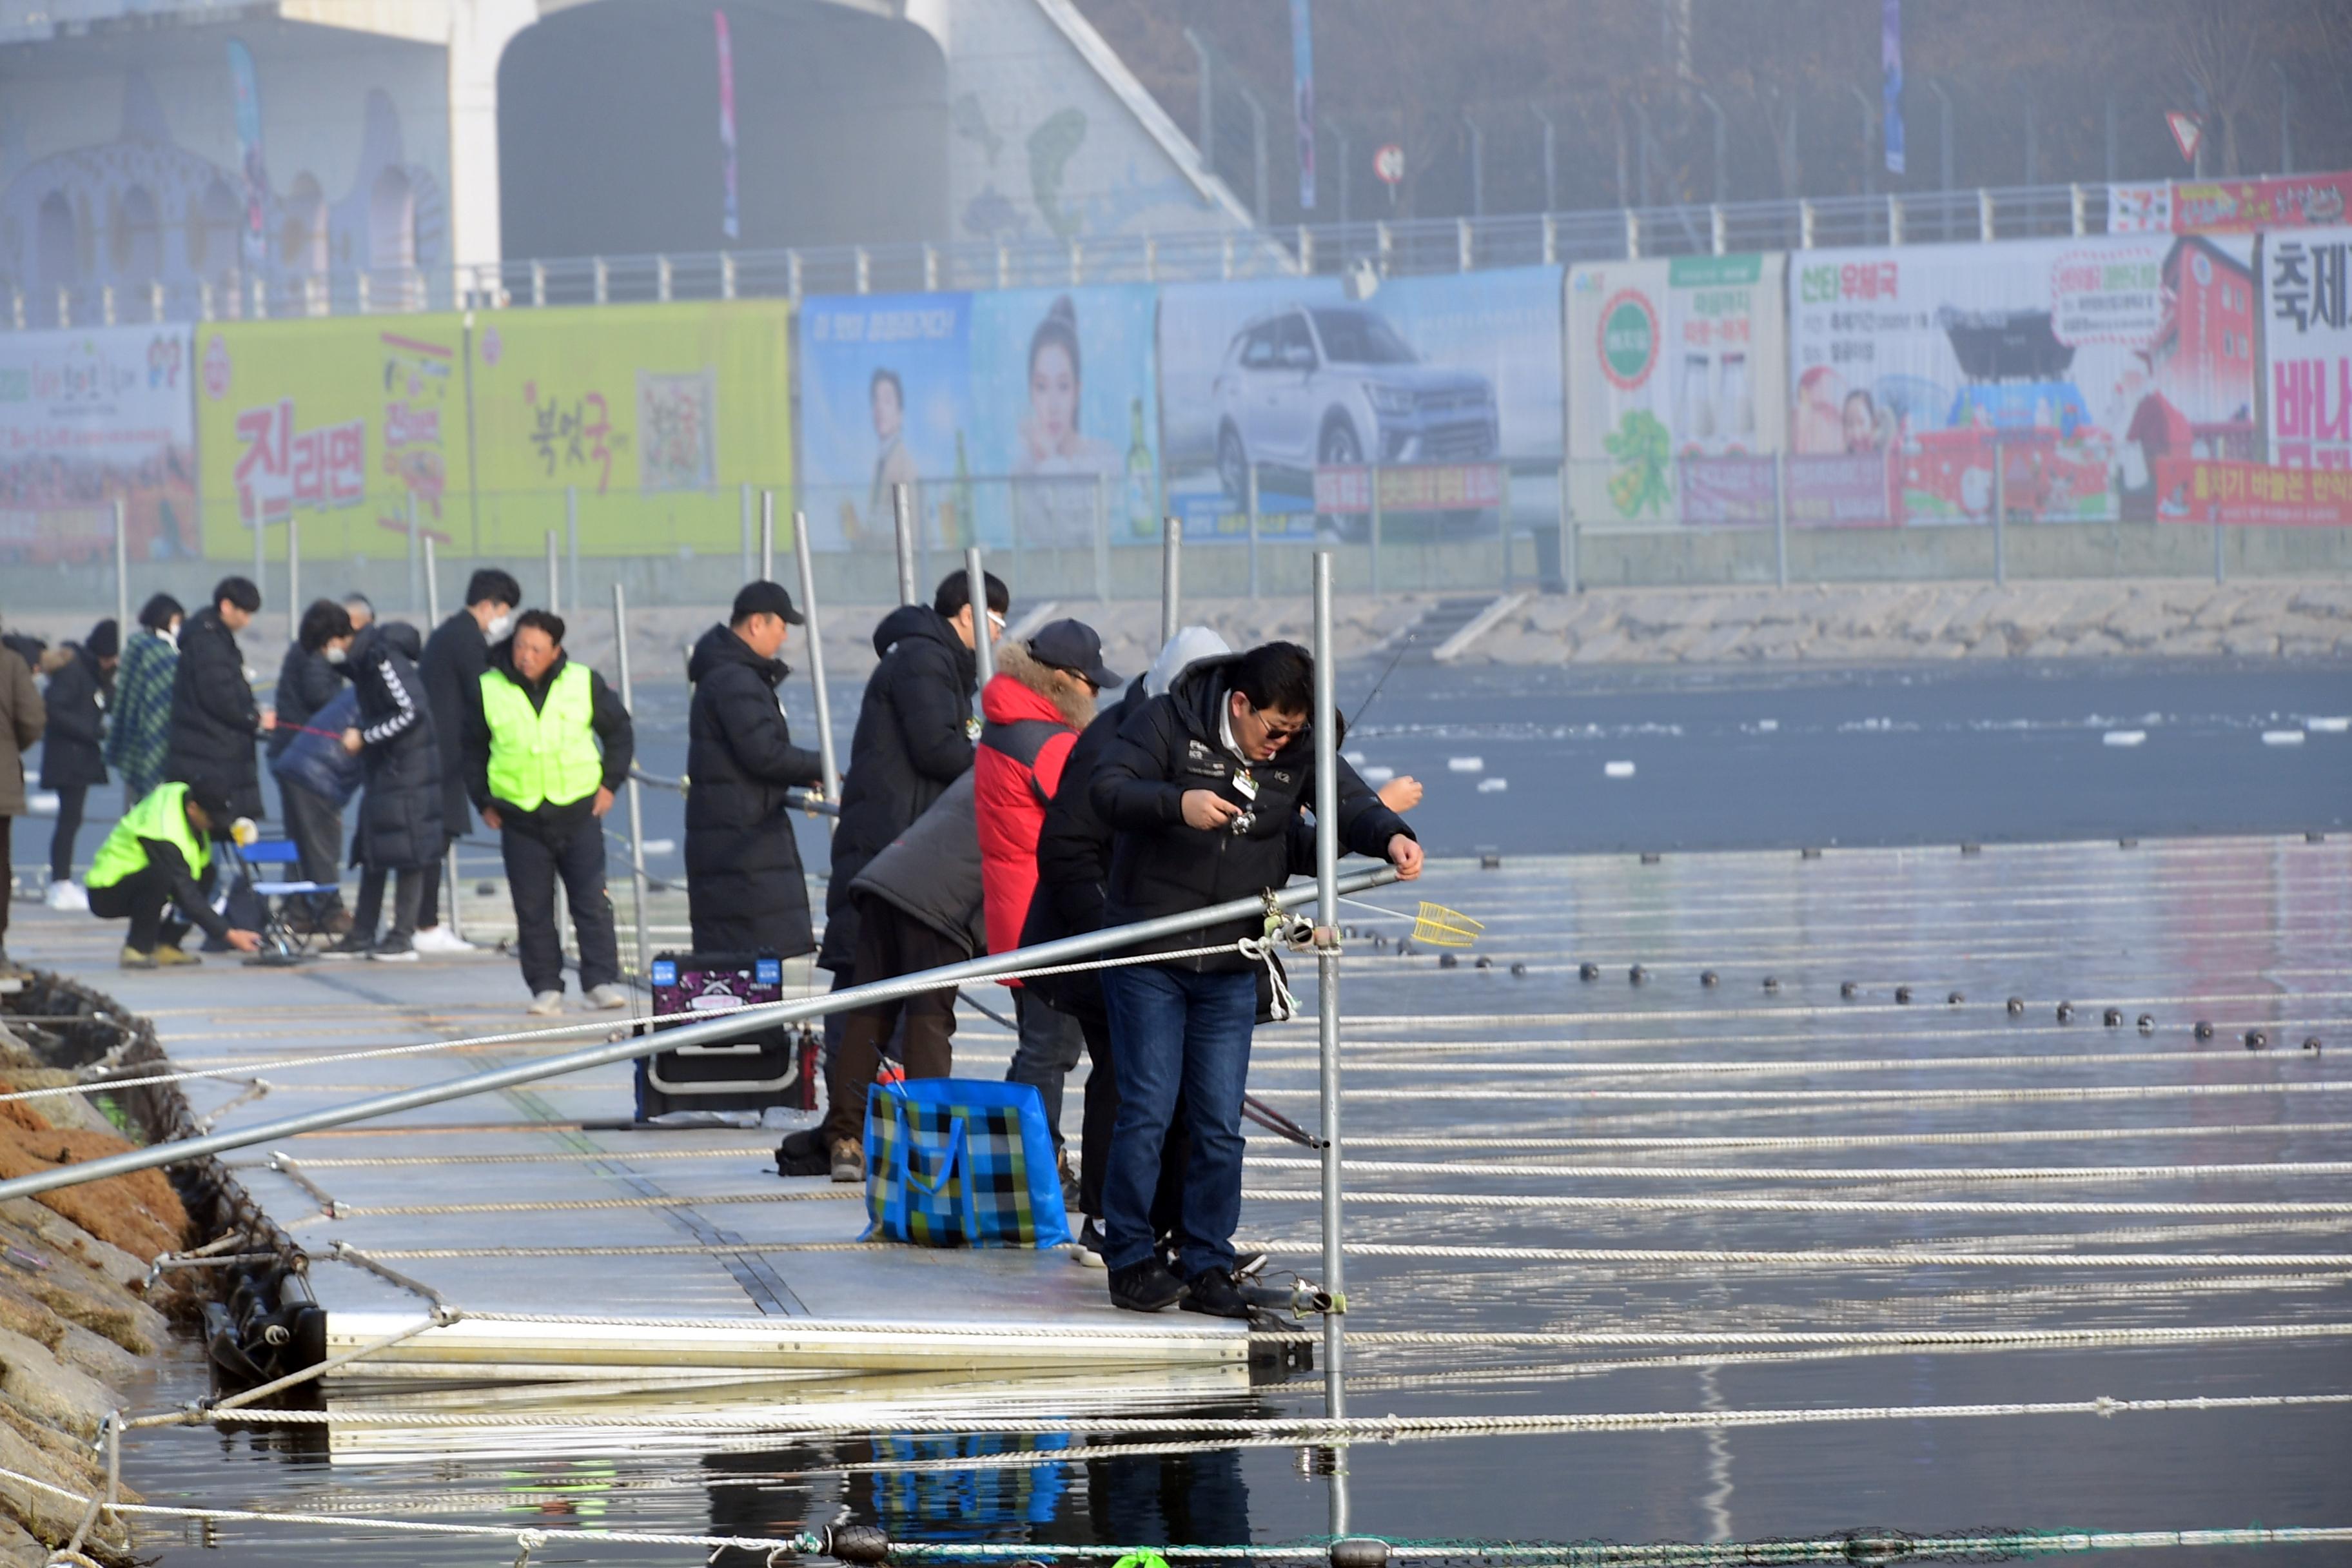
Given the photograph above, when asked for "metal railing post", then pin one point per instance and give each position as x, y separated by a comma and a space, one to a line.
1326, 987
2000, 515
1102, 540
2220, 565
431, 619
260, 561
416, 559
749, 559
636, 799
1253, 531
807, 561
121, 571
572, 542
1373, 529
902, 506
1171, 577
767, 536
294, 570
432, 581
1780, 518
975, 578
555, 566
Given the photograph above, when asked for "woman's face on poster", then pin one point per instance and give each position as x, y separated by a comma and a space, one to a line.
1053, 394
1860, 423
887, 414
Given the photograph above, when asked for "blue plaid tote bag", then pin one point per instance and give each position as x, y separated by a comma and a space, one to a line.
954, 1162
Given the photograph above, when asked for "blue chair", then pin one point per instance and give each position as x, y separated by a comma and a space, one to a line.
283, 940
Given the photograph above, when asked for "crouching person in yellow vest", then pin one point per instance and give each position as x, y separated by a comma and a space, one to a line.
546, 744
159, 854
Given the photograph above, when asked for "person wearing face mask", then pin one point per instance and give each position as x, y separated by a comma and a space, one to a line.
455, 657
312, 677
216, 721
139, 734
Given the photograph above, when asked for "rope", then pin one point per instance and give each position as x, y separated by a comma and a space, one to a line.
1841, 1139
1822, 1173
1843, 1096
1799, 1011
1776, 1206
2022, 1338
1900, 1257
568, 1206
1798, 1065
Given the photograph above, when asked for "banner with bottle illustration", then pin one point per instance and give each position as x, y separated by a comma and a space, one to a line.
2306, 314
345, 423
654, 416
2093, 359
88, 418
1020, 418
1675, 400
1456, 373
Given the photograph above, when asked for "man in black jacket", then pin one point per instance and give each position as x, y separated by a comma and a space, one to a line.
400, 815
215, 719
745, 890
455, 657
547, 743
317, 662
1203, 787
72, 753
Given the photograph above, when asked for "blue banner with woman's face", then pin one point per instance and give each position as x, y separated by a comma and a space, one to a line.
885, 400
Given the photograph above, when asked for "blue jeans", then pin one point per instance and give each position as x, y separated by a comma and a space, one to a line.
1177, 1031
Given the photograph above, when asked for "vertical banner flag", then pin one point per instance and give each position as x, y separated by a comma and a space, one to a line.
731, 224
246, 88
2307, 347
1890, 65
1302, 95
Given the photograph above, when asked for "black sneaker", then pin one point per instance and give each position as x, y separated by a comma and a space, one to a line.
1146, 1287
1212, 1292
1091, 1243
351, 945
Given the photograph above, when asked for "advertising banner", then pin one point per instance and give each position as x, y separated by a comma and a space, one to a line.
2092, 359
1675, 375
1021, 418
2307, 347
2196, 490
654, 416
343, 422
2228, 206
1458, 373
88, 419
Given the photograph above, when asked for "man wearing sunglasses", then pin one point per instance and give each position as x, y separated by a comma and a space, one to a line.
1204, 788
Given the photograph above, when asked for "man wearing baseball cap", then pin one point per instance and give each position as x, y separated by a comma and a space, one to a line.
745, 889
1043, 695
159, 854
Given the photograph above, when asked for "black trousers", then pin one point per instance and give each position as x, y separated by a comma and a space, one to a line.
407, 890
1101, 1114
428, 901
143, 897
316, 826
10, 872
70, 801
891, 942
576, 852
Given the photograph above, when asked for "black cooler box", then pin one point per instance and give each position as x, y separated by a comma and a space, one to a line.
769, 1064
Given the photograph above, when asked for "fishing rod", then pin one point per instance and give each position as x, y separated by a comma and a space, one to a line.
1405, 643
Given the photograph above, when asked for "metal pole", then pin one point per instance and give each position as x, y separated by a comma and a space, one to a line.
555, 572
636, 803
903, 505
261, 575
2000, 515
432, 584
716, 1032
121, 571
815, 655
572, 541
1102, 540
1327, 1000
747, 531
415, 562
1253, 531
570, 530
2220, 571
1171, 577
768, 536
1780, 518
976, 580
1373, 529
294, 568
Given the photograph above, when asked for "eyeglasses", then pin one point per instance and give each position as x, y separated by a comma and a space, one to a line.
1277, 733
995, 621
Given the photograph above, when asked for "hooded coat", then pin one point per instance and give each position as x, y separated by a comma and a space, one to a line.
932, 871
215, 719
1017, 769
1160, 866
744, 881
455, 657
307, 681
23, 716
1074, 862
72, 754
914, 739
400, 815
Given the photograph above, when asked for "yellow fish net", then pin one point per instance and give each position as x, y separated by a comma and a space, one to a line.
1439, 927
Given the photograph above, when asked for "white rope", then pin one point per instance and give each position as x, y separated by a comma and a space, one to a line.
797, 1421
1841, 1096
1801, 1011
1836, 1140
534, 1206
1900, 1257
1819, 1173
2288, 1208
1807, 1067
2016, 1338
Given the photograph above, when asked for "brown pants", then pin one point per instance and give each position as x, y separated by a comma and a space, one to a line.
891, 942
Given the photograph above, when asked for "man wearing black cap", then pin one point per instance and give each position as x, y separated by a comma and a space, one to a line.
159, 854
745, 889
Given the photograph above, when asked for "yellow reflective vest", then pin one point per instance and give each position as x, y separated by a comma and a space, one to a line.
547, 755
162, 815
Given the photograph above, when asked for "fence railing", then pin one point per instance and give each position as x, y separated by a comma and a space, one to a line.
1402, 248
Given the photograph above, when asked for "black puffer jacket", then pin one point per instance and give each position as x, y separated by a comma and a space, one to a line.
72, 751
215, 719
455, 657
1074, 862
400, 815
1160, 867
742, 863
932, 871
307, 681
914, 739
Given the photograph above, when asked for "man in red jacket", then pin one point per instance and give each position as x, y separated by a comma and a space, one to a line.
1041, 695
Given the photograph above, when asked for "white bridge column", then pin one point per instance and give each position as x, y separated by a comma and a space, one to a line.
479, 31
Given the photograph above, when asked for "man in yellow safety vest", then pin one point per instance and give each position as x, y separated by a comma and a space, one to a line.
159, 854
546, 744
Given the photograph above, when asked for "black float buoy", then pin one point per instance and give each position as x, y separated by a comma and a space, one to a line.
2112, 1017
1954, 1000
862, 1543
1405, 948
1588, 971
2126, 843
1972, 849
1490, 862
1637, 974
1846, 988
1484, 962
2314, 838
2204, 1030
2065, 1012
2017, 1006
2311, 1043
1518, 971
1709, 978
1903, 994
1358, 1551
1448, 961
2147, 1023
2256, 1040
1809, 853
1380, 943
1771, 984
1650, 857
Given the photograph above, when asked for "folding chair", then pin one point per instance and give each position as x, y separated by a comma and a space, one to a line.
283, 942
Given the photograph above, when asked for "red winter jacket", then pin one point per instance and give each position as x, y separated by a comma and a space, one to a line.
1016, 768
